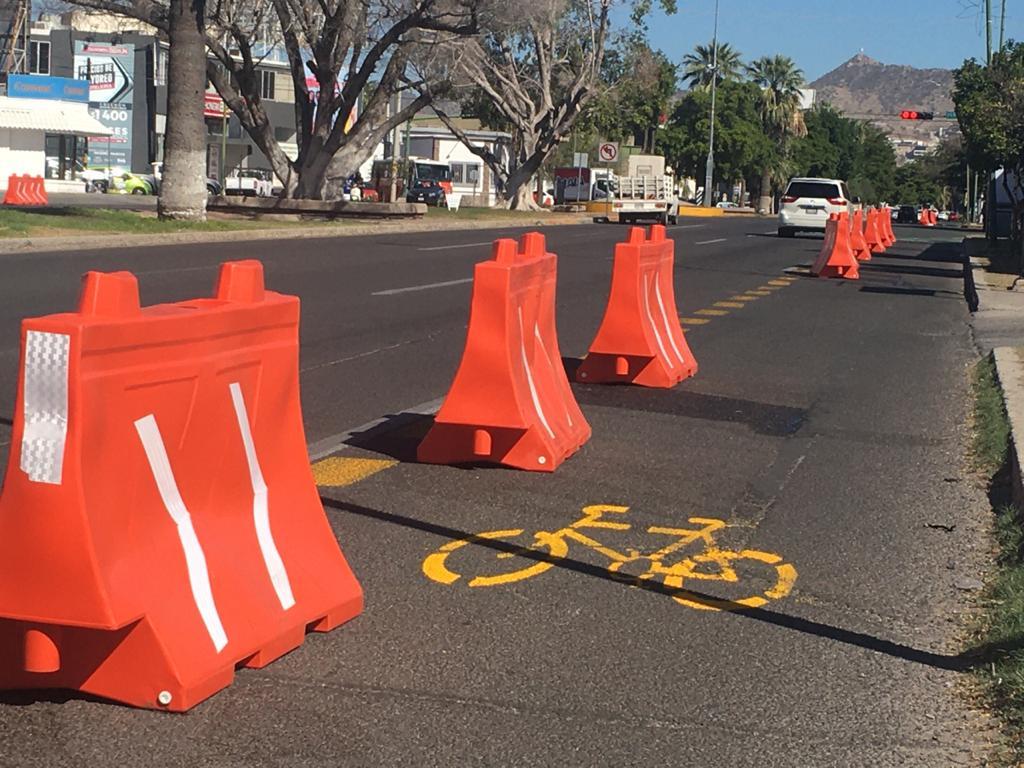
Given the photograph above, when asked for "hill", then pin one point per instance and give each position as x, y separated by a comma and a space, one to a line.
865, 88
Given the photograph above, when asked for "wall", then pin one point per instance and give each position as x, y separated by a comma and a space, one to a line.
21, 152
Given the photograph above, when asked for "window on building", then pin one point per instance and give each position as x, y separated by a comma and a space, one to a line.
38, 57
466, 173
267, 85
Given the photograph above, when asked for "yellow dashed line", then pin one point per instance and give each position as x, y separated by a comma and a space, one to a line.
781, 283
759, 293
730, 304
694, 320
741, 297
337, 472
712, 312
789, 279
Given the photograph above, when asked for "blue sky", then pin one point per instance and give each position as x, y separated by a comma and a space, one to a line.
819, 35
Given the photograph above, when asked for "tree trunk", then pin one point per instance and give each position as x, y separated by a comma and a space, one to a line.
518, 195
183, 182
764, 202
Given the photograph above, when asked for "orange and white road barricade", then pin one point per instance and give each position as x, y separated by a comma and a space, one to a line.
640, 340
873, 232
858, 244
890, 235
159, 522
836, 256
510, 402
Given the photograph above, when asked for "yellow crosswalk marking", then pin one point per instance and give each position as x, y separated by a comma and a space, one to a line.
759, 293
730, 304
741, 297
712, 312
337, 472
694, 320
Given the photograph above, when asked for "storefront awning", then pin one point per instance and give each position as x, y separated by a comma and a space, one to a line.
49, 116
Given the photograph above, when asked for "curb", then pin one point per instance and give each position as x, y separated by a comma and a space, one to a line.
14, 246
1009, 363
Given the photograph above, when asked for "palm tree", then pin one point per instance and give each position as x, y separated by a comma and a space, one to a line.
780, 81
699, 65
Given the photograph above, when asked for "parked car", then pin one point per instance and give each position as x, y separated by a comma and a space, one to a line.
249, 182
808, 202
942, 216
726, 204
906, 214
426, 191
212, 185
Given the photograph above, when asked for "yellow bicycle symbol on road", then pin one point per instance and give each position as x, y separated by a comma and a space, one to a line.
686, 573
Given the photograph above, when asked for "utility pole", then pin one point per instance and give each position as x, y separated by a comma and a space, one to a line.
988, 31
709, 168
1002, 23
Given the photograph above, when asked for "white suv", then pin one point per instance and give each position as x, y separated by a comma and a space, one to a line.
807, 203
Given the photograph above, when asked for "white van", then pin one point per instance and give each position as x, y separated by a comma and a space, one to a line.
807, 203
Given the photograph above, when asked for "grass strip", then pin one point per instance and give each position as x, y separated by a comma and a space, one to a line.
1003, 619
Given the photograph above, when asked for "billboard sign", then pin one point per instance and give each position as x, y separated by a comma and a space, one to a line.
46, 87
110, 70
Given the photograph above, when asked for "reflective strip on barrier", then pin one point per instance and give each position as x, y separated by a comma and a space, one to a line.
45, 406
665, 321
529, 378
195, 560
260, 509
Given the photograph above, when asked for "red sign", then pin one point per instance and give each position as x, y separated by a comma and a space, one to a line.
213, 105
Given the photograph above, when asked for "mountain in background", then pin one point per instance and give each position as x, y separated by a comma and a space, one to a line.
868, 89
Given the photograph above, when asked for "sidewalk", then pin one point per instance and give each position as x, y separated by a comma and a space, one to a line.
998, 327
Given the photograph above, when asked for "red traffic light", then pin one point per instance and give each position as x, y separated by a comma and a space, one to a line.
908, 115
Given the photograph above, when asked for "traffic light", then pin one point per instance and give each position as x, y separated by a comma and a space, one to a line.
910, 114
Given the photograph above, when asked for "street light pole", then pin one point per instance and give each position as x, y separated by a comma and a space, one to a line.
709, 169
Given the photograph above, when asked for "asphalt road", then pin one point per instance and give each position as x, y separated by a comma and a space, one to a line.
824, 431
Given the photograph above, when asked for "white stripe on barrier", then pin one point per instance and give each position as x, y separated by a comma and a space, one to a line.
650, 320
195, 560
45, 406
664, 316
551, 365
260, 509
529, 378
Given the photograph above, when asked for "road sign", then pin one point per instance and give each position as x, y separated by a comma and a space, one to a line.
608, 152
580, 160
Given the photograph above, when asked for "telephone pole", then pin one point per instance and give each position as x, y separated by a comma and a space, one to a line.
709, 168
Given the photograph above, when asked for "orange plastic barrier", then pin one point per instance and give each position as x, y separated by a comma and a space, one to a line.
25, 190
890, 235
836, 257
510, 402
858, 244
872, 232
884, 226
159, 523
640, 340
933, 218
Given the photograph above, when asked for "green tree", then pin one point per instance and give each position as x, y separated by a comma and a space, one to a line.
780, 81
741, 146
700, 66
990, 108
640, 84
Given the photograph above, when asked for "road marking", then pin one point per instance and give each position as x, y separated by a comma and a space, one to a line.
709, 242
334, 443
759, 293
427, 287
449, 247
337, 471
712, 312
780, 282
741, 297
694, 320
730, 304
685, 568
687, 226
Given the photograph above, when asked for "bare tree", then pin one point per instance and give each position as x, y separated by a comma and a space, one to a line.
531, 72
183, 183
358, 51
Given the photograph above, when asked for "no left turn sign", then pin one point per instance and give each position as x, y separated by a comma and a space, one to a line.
608, 152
